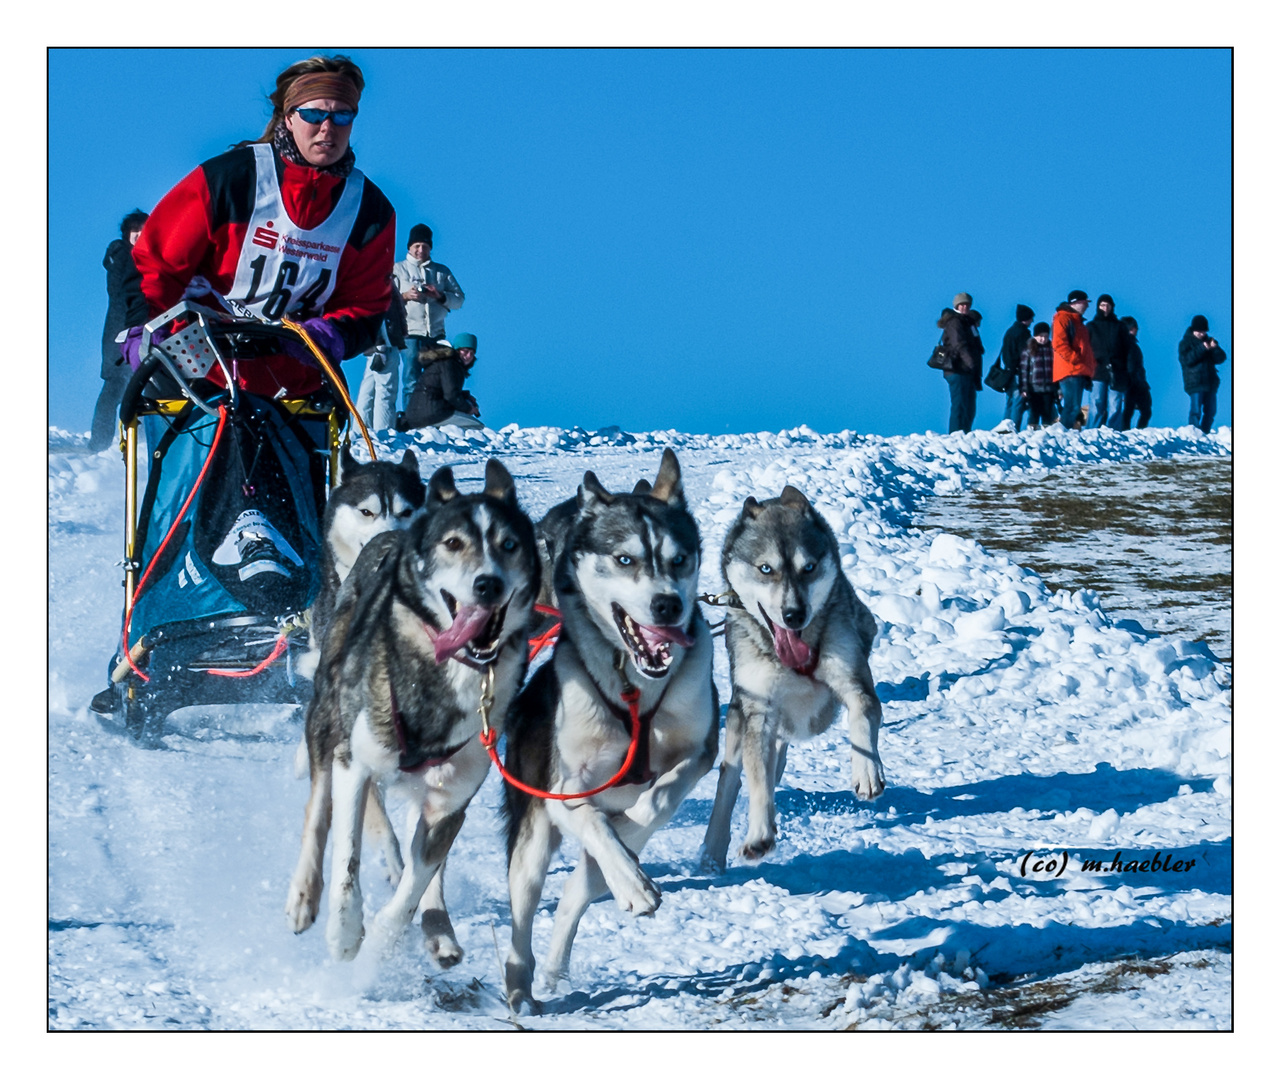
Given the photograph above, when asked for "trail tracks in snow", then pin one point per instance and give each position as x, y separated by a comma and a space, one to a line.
1017, 720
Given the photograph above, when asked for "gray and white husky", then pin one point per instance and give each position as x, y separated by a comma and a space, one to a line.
626, 582
369, 499
798, 650
428, 619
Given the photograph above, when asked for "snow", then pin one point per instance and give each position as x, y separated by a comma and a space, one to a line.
1016, 721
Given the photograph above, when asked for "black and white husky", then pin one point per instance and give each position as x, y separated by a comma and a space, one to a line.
798, 650
369, 499
428, 619
626, 582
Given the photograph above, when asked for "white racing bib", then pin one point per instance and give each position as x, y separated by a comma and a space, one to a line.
285, 269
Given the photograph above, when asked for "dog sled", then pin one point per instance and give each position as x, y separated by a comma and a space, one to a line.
222, 547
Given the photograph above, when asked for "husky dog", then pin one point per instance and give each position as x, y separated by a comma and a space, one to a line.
370, 499
429, 619
798, 648
626, 580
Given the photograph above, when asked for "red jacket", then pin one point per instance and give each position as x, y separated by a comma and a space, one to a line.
200, 225
1073, 354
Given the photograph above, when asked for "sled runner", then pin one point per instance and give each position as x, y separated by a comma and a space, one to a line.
223, 552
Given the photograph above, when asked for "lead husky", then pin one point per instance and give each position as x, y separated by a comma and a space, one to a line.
427, 620
798, 649
626, 579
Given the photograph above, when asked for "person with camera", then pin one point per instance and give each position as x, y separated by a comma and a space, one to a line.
431, 292
1199, 356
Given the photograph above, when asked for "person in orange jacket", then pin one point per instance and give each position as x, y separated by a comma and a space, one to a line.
1073, 355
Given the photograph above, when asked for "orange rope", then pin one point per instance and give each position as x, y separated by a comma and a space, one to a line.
282, 643
335, 378
222, 423
489, 739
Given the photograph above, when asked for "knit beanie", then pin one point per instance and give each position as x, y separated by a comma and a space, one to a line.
962, 298
1104, 298
419, 234
1022, 313
463, 341
1041, 328
1199, 322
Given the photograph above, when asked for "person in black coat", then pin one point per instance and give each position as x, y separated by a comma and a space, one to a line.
125, 308
439, 397
1012, 346
1138, 394
963, 365
1199, 356
1110, 342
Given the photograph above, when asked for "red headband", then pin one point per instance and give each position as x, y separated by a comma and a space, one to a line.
318, 86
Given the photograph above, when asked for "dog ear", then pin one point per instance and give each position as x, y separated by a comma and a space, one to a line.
591, 490
499, 482
667, 484
346, 462
409, 462
643, 487
751, 508
792, 497
440, 489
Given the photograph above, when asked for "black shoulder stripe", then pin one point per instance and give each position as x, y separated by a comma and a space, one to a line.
232, 184
374, 215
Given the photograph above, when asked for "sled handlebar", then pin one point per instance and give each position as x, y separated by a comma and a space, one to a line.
210, 338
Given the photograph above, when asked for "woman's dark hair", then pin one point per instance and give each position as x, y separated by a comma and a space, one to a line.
338, 65
1130, 321
131, 222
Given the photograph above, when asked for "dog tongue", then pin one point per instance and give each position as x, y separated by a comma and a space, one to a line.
467, 621
790, 648
652, 635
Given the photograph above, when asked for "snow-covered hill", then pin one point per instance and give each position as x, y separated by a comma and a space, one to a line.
1017, 721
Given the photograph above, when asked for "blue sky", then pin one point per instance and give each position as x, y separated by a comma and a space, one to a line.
710, 240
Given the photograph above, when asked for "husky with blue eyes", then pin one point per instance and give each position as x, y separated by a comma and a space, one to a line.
626, 583
798, 640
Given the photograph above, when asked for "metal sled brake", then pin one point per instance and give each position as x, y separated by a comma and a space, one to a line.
214, 611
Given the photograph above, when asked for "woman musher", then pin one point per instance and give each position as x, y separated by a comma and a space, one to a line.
284, 226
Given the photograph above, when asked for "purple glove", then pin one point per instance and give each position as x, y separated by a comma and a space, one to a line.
131, 346
327, 339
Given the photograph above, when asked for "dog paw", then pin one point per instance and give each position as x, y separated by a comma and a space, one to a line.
438, 934
345, 931
869, 778
757, 849
639, 895
303, 904
520, 993
709, 863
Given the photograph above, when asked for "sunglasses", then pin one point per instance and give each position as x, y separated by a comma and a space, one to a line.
341, 117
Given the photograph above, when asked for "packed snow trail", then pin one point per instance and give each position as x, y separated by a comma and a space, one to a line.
1018, 723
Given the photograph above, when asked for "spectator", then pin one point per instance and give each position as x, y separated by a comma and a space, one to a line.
1199, 355
430, 292
439, 399
963, 365
1110, 342
1138, 394
1012, 346
124, 309
376, 401
1073, 357
1036, 377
